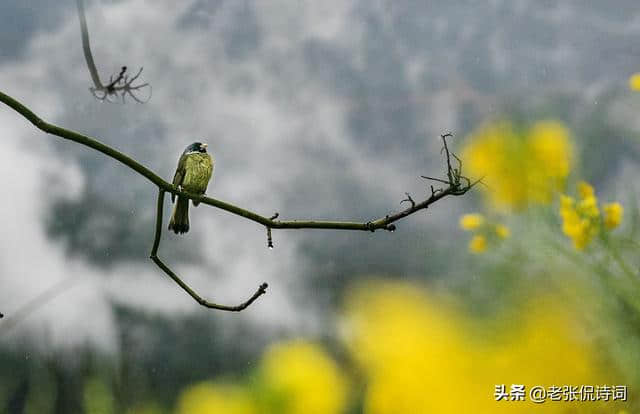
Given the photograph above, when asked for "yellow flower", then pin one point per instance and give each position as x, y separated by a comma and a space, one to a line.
550, 148
581, 221
634, 82
588, 204
613, 213
521, 167
585, 190
566, 202
420, 355
485, 233
471, 221
578, 220
304, 379
478, 244
212, 398
503, 231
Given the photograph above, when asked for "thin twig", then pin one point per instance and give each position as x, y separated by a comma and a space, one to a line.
435, 179
409, 200
154, 256
446, 149
269, 238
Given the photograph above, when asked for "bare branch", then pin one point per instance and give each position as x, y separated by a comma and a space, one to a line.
455, 187
86, 46
154, 256
121, 84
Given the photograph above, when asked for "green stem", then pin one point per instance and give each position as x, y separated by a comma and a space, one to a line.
605, 276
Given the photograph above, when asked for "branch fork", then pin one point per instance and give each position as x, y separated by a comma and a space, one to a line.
207, 304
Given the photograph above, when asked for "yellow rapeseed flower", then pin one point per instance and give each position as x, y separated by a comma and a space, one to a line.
520, 167
585, 190
212, 398
503, 231
581, 220
551, 151
485, 233
578, 220
471, 221
634, 82
478, 244
613, 213
304, 379
420, 355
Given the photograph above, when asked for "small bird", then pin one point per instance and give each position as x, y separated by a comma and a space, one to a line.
194, 171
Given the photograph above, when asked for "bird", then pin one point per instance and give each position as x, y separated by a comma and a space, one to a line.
195, 168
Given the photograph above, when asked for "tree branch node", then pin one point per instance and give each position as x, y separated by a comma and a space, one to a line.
409, 200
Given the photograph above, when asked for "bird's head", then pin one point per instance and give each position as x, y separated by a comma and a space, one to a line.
196, 147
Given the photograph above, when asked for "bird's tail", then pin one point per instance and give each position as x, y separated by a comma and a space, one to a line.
179, 222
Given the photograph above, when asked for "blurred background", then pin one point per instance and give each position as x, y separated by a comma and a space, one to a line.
323, 110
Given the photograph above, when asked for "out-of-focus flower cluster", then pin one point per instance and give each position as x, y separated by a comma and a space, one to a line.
293, 377
301, 378
634, 82
410, 352
485, 233
521, 166
582, 219
215, 397
420, 354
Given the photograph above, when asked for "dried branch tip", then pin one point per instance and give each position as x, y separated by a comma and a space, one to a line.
269, 238
458, 183
122, 85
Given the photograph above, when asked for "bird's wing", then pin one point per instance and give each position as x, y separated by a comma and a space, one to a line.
210, 175
179, 175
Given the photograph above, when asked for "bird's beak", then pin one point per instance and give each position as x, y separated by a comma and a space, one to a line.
204, 146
